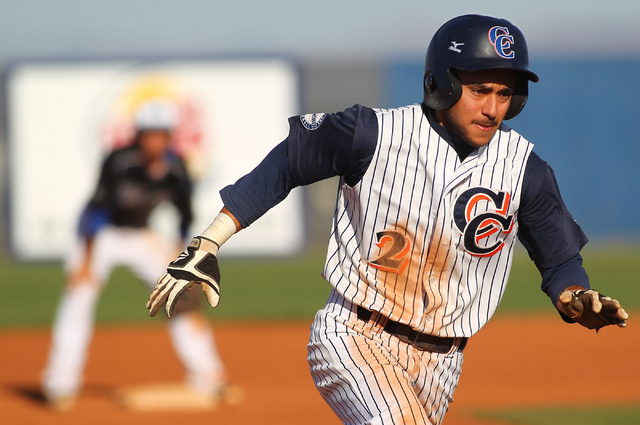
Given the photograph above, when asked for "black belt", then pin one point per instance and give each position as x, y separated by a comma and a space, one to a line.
406, 333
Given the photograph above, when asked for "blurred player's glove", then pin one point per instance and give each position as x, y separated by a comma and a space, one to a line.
592, 309
197, 264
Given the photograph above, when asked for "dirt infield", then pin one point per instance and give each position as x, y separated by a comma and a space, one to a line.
513, 362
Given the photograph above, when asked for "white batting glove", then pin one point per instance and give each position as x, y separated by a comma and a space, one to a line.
196, 265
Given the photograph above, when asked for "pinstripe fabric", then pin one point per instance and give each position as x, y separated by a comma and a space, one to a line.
368, 376
397, 246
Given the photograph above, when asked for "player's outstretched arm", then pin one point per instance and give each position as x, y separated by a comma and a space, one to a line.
198, 264
591, 309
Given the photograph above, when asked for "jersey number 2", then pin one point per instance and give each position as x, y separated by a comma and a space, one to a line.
394, 249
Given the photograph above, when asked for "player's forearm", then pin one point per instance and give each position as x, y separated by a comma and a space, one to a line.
263, 188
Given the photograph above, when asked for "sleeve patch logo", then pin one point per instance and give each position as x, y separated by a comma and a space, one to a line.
312, 121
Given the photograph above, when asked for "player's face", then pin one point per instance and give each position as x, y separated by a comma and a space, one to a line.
486, 96
154, 143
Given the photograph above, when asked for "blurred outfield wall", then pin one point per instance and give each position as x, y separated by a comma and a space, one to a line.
581, 116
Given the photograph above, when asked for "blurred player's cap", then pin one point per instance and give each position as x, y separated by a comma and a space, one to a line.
156, 115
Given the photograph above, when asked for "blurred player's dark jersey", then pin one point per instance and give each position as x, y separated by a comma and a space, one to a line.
126, 193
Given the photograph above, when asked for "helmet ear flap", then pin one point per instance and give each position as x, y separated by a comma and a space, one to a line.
457, 87
430, 84
518, 99
441, 91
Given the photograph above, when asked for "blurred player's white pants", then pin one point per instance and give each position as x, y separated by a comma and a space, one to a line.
146, 256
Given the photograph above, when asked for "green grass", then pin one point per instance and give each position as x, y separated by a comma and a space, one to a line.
276, 289
28, 293
283, 289
599, 415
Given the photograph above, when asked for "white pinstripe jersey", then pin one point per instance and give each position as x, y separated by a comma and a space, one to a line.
423, 238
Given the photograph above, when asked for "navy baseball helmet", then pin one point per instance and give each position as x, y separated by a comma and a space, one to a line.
475, 43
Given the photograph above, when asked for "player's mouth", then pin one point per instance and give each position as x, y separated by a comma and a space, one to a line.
485, 126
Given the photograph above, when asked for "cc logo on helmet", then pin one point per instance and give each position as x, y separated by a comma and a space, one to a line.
480, 214
502, 41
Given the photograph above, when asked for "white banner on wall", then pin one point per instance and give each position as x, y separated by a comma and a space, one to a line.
63, 118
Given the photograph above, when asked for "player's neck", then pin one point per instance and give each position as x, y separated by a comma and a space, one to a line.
462, 148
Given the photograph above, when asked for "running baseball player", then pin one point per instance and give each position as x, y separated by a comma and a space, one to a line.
114, 230
431, 200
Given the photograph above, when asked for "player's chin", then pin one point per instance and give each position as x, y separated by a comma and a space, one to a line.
481, 136
478, 142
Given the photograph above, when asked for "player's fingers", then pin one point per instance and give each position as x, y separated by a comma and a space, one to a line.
177, 289
161, 295
565, 297
594, 300
609, 303
160, 285
622, 314
614, 313
572, 305
213, 296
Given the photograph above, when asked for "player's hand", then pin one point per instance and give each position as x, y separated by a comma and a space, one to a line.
592, 309
196, 265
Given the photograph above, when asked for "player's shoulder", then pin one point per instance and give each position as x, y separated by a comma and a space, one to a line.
123, 157
536, 166
515, 141
177, 165
341, 121
412, 108
537, 174
125, 151
505, 128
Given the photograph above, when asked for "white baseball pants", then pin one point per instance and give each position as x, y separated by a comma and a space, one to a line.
368, 376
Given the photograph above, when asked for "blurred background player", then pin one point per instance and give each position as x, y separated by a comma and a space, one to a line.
114, 230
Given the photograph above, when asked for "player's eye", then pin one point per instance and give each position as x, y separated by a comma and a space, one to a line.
506, 94
479, 90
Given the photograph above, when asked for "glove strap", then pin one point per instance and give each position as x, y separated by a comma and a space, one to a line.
205, 244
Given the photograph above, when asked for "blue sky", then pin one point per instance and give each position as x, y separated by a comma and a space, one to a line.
330, 29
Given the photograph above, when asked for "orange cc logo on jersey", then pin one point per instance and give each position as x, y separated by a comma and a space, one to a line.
480, 214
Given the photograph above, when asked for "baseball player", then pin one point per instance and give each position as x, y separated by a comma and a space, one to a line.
431, 200
113, 230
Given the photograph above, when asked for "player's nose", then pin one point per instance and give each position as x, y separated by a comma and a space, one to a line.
490, 106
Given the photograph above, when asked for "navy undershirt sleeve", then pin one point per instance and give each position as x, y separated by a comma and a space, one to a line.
557, 279
551, 236
260, 190
342, 145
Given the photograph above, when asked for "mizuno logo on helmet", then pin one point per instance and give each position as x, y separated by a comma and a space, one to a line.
454, 46
502, 41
